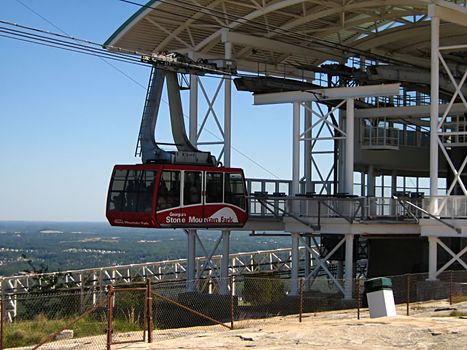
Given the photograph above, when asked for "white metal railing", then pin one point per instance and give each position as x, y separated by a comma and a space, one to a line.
308, 206
378, 137
448, 207
358, 208
92, 282
278, 190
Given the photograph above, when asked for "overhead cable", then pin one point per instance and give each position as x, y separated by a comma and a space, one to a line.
261, 26
68, 43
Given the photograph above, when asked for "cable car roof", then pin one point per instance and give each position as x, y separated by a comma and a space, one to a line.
285, 36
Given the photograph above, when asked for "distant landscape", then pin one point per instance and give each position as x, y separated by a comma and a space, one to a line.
61, 246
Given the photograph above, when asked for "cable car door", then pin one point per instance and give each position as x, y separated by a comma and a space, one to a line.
193, 201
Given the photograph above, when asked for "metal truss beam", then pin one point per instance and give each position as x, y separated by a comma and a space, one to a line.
434, 272
327, 94
448, 12
322, 264
266, 44
251, 16
444, 136
406, 111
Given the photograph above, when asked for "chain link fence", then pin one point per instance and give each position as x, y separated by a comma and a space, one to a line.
158, 311
178, 312
129, 316
41, 319
414, 290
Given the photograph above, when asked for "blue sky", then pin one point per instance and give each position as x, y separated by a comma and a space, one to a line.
67, 118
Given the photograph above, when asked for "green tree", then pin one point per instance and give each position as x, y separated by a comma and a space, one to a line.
46, 296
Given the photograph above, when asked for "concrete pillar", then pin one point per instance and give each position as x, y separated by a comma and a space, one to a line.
432, 258
348, 283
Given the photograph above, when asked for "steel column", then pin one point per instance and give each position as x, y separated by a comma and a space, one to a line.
224, 270
307, 147
227, 109
363, 191
393, 181
348, 266
194, 110
349, 146
191, 260
341, 159
432, 258
308, 260
224, 273
295, 189
193, 134
340, 270
434, 107
393, 190
296, 149
371, 181
295, 263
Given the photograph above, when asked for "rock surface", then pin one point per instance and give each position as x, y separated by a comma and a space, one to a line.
327, 330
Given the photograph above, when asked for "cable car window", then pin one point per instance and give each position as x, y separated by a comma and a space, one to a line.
145, 188
214, 190
168, 195
192, 188
132, 190
119, 178
235, 190
117, 199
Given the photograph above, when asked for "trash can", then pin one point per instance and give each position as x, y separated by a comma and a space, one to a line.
380, 297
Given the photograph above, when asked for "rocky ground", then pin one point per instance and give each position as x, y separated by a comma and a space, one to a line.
429, 326
425, 328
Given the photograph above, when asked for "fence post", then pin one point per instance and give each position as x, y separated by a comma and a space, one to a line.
450, 287
357, 291
149, 309
408, 295
301, 300
154, 312
109, 315
145, 312
232, 312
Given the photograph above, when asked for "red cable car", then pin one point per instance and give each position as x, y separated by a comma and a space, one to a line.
177, 196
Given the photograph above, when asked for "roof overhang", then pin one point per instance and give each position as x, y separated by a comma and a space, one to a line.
282, 37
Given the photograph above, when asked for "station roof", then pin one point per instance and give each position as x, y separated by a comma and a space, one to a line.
286, 36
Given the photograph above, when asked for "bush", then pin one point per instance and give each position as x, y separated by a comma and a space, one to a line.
263, 289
